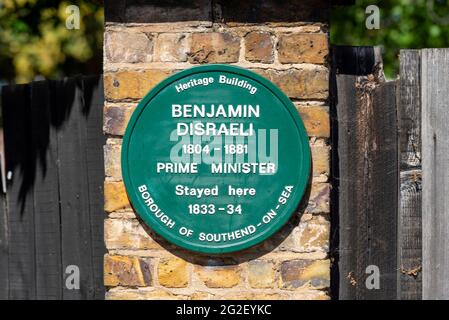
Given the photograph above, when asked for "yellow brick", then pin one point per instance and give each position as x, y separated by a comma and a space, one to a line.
318, 269
214, 47
173, 273
218, 276
305, 273
261, 274
126, 85
320, 160
115, 196
316, 120
303, 48
112, 165
313, 235
259, 47
129, 47
128, 234
307, 83
172, 47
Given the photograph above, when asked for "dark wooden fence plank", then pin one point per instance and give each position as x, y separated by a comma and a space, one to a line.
54, 217
409, 218
374, 202
344, 116
435, 171
46, 195
365, 173
19, 161
381, 202
4, 277
376, 188
93, 112
73, 189
347, 63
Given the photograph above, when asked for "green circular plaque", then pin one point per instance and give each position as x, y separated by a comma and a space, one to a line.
215, 159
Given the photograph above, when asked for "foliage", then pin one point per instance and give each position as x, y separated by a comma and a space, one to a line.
34, 39
404, 24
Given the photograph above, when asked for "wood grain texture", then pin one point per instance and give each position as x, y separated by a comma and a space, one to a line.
409, 108
93, 112
345, 112
409, 215
377, 185
365, 173
45, 194
435, 171
347, 63
76, 246
409, 241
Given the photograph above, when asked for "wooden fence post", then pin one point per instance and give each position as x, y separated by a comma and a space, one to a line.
435, 170
366, 180
409, 218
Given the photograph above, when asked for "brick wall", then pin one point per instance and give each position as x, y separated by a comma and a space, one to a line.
288, 44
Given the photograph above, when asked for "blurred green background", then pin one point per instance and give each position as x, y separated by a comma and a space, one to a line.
34, 41
403, 24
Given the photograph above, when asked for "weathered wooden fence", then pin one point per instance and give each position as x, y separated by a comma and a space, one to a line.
391, 175
435, 169
409, 214
365, 179
51, 218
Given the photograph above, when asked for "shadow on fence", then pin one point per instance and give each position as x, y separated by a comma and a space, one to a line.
52, 213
